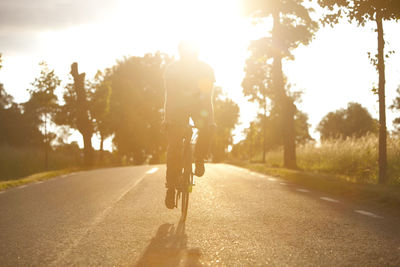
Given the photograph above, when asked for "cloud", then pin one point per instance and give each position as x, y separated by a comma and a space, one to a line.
52, 14
21, 21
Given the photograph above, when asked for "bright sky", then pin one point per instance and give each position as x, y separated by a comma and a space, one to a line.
332, 71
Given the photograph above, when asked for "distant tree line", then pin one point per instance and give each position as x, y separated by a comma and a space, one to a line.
353, 122
124, 102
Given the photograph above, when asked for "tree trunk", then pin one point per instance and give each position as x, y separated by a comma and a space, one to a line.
289, 153
285, 105
101, 148
84, 124
382, 105
46, 147
87, 148
264, 127
101, 142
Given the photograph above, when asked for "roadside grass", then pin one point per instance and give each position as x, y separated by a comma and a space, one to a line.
20, 162
335, 185
353, 158
344, 168
35, 178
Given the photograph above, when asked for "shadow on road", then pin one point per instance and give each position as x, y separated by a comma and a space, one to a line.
169, 248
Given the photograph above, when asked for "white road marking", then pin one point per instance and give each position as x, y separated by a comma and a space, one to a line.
303, 190
330, 199
39, 182
22, 186
65, 175
367, 213
272, 179
283, 183
153, 170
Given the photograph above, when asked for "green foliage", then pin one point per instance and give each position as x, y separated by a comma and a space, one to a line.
15, 124
295, 24
251, 146
136, 106
226, 117
5, 98
101, 92
353, 121
360, 11
42, 105
396, 107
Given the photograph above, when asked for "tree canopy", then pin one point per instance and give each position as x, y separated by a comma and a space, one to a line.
354, 121
136, 106
226, 117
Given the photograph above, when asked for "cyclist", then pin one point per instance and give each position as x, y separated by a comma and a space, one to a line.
188, 85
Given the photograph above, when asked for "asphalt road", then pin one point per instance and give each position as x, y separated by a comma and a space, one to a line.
116, 217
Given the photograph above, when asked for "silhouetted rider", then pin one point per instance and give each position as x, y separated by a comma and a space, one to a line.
189, 84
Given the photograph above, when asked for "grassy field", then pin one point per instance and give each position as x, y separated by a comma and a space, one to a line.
356, 159
21, 162
16, 163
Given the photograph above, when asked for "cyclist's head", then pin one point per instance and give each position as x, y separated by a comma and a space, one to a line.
188, 50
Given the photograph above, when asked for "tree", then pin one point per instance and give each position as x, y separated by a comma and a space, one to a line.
363, 11
292, 26
257, 83
5, 99
16, 126
255, 138
136, 106
100, 106
42, 105
354, 121
302, 126
226, 117
75, 113
396, 107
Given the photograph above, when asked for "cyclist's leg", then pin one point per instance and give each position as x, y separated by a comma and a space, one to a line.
175, 133
202, 122
174, 156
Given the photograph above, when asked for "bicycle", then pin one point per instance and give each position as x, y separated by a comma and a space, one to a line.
186, 181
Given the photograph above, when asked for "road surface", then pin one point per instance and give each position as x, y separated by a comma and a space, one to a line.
116, 217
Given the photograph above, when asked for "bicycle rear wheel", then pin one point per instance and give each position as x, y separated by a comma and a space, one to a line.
187, 180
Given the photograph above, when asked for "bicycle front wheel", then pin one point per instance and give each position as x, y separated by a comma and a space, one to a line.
185, 205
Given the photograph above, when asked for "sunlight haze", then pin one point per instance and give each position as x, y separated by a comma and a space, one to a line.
332, 71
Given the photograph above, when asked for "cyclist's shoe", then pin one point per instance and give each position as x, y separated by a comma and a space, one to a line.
199, 170
170, 198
